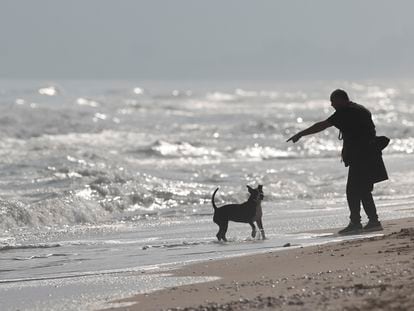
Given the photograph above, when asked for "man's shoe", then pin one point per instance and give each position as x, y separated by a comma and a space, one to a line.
351, 229
373, 226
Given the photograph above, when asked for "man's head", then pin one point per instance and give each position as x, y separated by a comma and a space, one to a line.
339, 98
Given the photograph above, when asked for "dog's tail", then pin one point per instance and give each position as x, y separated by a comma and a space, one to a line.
212, 199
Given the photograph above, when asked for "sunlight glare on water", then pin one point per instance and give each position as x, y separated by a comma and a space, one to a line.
117, 180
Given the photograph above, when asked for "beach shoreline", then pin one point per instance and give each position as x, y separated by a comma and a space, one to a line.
373, 272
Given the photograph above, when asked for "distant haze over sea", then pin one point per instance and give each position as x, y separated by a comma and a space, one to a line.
214, 40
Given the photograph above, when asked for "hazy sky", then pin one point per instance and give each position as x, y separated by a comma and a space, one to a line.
194, 39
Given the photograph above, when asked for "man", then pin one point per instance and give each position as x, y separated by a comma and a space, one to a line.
361, 152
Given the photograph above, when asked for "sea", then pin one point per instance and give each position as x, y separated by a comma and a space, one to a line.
104, 183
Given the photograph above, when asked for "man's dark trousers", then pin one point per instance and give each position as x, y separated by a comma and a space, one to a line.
359, 189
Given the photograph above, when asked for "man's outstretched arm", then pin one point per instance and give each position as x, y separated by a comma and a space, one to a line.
316, 128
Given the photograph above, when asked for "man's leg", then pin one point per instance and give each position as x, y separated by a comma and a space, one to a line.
353, 196
371, 211
369, 206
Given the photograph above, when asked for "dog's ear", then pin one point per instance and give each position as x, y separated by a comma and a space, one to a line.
260, 187
249, 188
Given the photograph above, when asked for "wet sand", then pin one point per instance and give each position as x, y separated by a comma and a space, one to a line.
371, 273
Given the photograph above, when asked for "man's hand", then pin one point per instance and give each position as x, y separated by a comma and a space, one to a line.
294, 138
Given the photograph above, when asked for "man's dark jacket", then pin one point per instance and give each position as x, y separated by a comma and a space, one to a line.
361, 147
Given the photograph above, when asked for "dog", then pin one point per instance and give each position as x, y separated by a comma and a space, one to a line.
247, 212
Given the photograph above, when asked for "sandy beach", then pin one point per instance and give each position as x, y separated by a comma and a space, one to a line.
364, 274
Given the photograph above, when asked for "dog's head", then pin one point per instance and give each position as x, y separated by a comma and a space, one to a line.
256, 193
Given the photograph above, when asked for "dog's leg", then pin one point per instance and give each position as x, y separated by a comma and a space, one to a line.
225, 227
221, 234
260, 225
253, 229
218, 235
